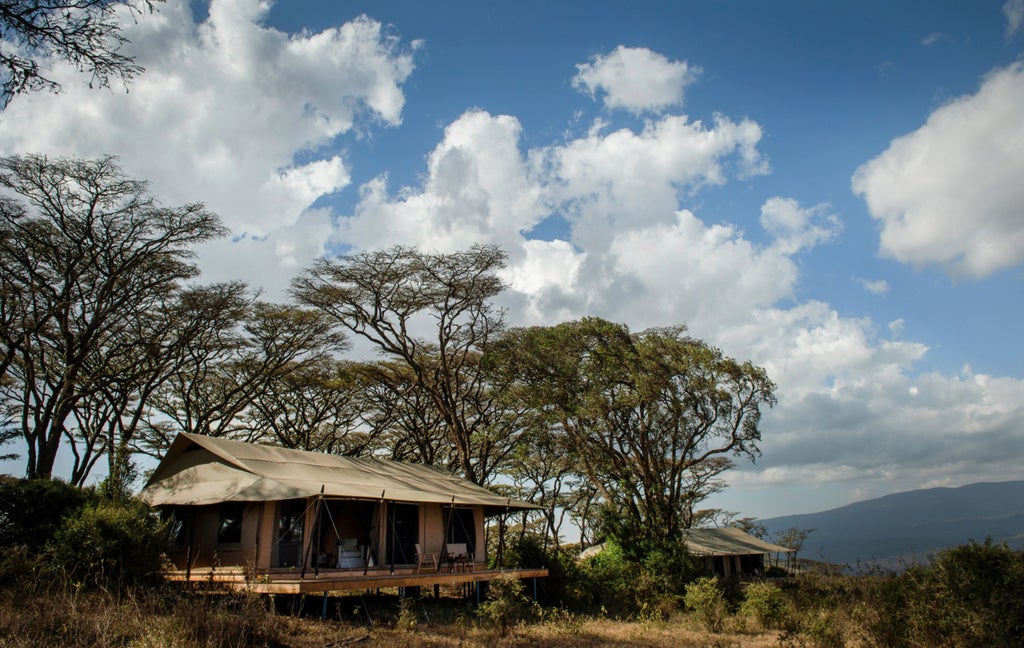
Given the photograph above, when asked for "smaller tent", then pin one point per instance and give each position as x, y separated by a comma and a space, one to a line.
731, 551
726, 552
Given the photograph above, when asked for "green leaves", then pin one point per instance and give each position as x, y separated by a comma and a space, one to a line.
652, 417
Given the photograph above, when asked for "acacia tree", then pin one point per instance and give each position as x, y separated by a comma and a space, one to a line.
404, 424
85, 33
86, 255
234, 365
316, 405
388, 296
651, 418
168, 340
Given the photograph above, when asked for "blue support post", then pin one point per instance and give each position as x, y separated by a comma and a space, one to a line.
323, 610
534, 589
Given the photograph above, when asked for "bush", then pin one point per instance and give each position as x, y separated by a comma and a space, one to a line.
506, 604
705, 597
765, 602
561, 586
610, 583
824, 631
967, 596
31, 510
109, 544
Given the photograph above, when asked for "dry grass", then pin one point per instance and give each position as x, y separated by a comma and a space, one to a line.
172, 620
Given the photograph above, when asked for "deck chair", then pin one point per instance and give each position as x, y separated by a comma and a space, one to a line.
423, 557
458, 555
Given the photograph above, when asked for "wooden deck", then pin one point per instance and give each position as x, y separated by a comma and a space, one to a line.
291, 581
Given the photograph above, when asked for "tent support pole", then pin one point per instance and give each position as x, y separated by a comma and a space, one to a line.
394, 540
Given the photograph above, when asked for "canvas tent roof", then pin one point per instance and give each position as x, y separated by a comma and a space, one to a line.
206, 470
729, 541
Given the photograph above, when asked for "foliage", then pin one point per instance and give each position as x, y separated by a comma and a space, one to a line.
625, 583
561, 586
707, 600
89, 266
611, 582
506, 603
967, 596
652, 419
111, 544
432, 314
765, 602
84, 33
32, 510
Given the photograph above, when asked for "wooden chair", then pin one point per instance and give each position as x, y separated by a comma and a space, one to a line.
458, 555
422, 557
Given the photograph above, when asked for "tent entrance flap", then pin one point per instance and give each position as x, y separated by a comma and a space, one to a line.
403, 533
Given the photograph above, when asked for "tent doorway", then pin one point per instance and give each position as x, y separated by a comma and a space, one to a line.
403, 533
461, 526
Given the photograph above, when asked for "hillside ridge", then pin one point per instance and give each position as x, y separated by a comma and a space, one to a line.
910, 525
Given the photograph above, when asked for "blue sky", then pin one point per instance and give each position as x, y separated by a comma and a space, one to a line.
831, 189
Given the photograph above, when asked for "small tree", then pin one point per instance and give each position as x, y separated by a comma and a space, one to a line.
110, 543
707, 600
506, 603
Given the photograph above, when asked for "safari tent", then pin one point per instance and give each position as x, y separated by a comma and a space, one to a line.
290, 521
730, 551
726, 552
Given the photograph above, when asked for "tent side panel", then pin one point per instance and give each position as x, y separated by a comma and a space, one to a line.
204, 538
481, 543
265, 540
432, 529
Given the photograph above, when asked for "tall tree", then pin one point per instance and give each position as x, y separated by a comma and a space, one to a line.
651, 418
84, 33
316, 405
401, 416
164, 342
86, 254
214, 392
388, 296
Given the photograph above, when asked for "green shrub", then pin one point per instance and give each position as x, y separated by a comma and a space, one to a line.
610, 583
31, 510
109, 544
823, 630
705, 597
968, 596
562, 584
765, 602
506, 604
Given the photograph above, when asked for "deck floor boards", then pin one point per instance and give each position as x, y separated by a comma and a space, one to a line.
335, 580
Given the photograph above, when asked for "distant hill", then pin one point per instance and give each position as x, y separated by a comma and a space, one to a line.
910, 526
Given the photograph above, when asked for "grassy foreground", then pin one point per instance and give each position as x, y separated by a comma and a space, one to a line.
167, 618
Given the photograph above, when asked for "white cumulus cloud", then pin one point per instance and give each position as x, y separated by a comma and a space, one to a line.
876, 287
635, 79
950, 192
795, 227
229, 113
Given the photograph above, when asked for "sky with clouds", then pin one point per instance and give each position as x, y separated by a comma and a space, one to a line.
832, 190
